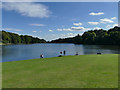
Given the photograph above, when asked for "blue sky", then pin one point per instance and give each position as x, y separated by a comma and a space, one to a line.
52, 20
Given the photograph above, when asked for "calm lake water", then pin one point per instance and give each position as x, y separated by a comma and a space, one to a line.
32, 51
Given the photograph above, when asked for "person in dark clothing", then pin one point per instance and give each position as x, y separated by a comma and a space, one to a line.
64, 52
41, 56
76, 53
60, 54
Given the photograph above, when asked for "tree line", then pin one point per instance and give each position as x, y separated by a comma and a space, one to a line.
12, 38
97, 37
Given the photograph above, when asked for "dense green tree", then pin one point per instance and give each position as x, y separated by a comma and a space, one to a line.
100, 37
114, 37
78, 39
89, 37
5, 37
22, 39
8, 37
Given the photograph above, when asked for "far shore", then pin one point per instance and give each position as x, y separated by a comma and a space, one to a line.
51, 43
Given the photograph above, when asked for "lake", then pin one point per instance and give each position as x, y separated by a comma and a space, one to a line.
32, 51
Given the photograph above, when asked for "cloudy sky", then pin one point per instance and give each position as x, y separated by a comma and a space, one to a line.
51, 20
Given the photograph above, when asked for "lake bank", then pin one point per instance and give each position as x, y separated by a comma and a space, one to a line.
84, 71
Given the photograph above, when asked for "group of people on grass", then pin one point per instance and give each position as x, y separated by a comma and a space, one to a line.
62, 53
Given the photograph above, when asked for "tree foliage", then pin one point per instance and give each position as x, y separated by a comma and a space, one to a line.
13, 38
98, 37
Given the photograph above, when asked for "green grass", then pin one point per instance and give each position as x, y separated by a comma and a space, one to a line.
84, 71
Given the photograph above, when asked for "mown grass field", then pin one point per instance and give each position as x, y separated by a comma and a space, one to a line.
84, 71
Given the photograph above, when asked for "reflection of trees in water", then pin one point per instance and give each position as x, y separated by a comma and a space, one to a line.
5, 51
93, 49
112, 47
9, 50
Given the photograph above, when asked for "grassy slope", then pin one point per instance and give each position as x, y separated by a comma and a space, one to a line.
85, 71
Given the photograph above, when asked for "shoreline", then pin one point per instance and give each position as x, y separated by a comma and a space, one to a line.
60, 57
1, 44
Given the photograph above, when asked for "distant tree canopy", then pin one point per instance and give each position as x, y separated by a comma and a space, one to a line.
98, 37
8, 37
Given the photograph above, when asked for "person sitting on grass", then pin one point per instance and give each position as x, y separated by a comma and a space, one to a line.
76, 53
60, 54
41, 56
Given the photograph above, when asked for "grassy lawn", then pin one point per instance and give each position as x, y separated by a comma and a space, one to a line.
84, 71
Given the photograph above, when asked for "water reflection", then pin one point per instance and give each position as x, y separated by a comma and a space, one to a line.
31, 51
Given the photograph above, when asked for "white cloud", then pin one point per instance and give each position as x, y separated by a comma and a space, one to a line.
34, 31
108, 26
79, 28
12, 29
70, 34
28, 9
111, 26
59, 29
67, 35
16, 33
106, 20
40, 25
115, 25
113, 18
77, 24
93, 23
50, 30
64, 29
67, 29
57, 36
74, 29
93, 13
96, 28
